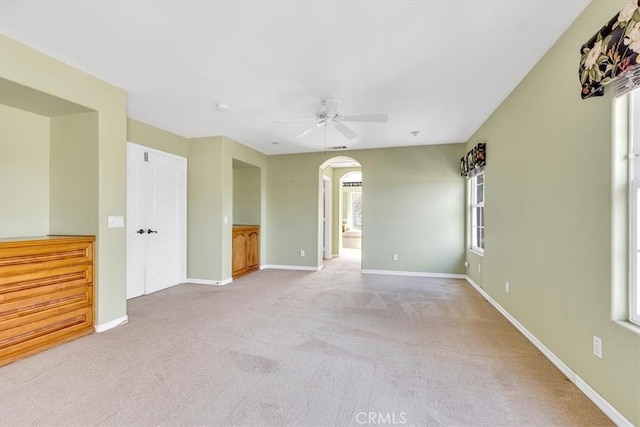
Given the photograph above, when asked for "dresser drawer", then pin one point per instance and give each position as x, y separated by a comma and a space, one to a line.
38, 281
44, 333
53, 300
15, 259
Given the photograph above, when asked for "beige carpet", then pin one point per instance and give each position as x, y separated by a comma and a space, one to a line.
330, 348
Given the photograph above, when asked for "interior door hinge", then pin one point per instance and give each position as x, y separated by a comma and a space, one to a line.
146, 156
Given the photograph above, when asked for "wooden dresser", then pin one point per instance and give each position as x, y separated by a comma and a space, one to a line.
245, 250
46, 293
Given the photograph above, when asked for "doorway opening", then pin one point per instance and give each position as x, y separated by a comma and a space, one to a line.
341, 212
351, 210
246, 218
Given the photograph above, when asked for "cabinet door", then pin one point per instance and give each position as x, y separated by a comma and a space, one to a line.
253, 249
239, 253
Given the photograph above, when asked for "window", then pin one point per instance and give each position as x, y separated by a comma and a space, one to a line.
634, 208
355, 211
476, 204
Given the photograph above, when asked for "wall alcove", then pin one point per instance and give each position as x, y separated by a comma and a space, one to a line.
48, 164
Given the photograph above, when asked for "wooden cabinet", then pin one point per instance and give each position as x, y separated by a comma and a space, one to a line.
245, 249
46, 293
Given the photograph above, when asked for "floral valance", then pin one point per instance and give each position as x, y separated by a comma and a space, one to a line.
473, 162
611, 52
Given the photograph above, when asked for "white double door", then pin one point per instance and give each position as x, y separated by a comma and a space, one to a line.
156, 225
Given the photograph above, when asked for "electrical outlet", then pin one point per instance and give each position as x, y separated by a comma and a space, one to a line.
395, 257
597, 346
466, 264
506, 287
302, 253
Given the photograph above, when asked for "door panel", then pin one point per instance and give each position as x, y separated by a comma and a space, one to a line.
136, 220
239, 252
164, 249
253, 249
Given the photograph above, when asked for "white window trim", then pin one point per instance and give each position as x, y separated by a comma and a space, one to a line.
634, 188
472, 206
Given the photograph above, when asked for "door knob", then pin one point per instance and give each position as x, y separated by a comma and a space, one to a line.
151, 231
141, 231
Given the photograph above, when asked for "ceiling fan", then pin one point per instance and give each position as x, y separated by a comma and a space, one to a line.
328, 114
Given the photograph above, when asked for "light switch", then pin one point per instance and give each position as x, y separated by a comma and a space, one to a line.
116, 222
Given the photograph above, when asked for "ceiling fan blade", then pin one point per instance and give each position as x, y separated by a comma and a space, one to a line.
295, 120
308, 131
331, 107
344, 130
378, 118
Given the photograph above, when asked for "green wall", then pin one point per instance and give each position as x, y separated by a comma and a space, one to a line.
246, 195
204, 209
548, 207
32, 69
152, 137
293, 184
24, 170
413, 203
73, 181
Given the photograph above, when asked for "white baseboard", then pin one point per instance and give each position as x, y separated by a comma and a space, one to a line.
291, 267
582, 385
112, 324
415, 274
210, 282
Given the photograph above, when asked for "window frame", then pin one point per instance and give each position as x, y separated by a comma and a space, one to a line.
634, 208
473, 218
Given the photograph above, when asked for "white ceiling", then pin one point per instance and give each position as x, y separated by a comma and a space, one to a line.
440, 67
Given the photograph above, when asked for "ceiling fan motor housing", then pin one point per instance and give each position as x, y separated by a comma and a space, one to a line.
328, 109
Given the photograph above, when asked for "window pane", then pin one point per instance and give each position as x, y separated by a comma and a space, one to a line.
476, 211
356, 210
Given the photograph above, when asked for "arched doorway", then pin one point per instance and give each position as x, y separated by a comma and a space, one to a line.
340, 208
